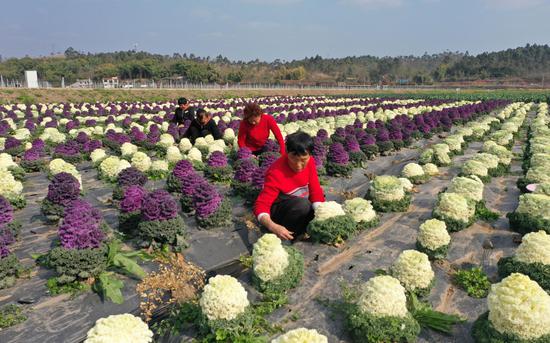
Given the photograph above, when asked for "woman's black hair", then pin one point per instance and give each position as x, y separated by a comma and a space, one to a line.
182, 101
299, 143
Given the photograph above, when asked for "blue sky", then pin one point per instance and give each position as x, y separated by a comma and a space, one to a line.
271, 29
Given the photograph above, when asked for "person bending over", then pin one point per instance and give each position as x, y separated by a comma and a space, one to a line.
254, 130
183, 112
291, 191
202, 126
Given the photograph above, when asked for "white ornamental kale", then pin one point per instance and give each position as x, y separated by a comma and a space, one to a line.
194, 154
301, 335
173, 154
534, 248
141, 161
433, 234
328, 209
223, 298
413, 269
98, 155
519, 306
387, 187
269, 257
470, 187
412, 170
361, 210
535, 205
455, 206
120, 328
9, 187
383, 296
185, 145
128, 149
430, 169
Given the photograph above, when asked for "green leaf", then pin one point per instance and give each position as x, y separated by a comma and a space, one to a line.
36, 256
128, 265
109, 287
114, 248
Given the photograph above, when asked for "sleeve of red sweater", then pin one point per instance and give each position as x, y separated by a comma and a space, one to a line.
267, 196
242, 134
275, 129
315, 191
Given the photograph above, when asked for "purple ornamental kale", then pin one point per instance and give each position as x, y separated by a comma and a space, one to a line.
81, 227
91, 145
244, 171
159, 205
6, 211
190, 183
319, 150
67, 149
133, 199
82, 138
63, 189
38, 144
244, 153
4, 250
30, 125
182, 169
258, 178
31, 155
383, 135
322, 134
337, 154
268, 158
351, 144
217, 160
206, 200
131, 176
11, 143
271, 146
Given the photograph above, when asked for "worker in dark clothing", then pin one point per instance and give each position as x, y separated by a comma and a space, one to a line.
183, 113
202, 126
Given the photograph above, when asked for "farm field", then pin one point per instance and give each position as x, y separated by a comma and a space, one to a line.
103, 203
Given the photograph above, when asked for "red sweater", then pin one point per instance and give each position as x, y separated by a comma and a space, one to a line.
281, 179
255, 136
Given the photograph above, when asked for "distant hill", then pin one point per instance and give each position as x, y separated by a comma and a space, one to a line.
523, 64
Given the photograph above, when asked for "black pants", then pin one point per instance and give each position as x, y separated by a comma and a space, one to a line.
294, 213
259, 151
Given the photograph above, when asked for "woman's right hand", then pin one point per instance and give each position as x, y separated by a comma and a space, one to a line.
281, 232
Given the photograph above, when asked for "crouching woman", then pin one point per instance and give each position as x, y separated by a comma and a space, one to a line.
291, 191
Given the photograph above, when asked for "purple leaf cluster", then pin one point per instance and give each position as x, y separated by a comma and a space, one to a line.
337, 154
244, 170
182, 169
11, 143
322, 134
271, 146
244, 153
31, 155
206, 200
217, 160
70, 148
136, 135
159, 205
63, 189
6, 211
351, 144
190, 183
131, 176
133, 199
81, 227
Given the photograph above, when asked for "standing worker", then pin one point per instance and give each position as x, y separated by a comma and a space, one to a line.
254, 130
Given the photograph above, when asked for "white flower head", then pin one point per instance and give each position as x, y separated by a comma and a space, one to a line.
119, 328
519, 306
270, 258
223, 298
383, 296
413, 269
328, 209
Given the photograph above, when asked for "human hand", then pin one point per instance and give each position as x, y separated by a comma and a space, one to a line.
281, 232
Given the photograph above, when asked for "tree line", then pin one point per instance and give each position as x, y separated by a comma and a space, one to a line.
528, 63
